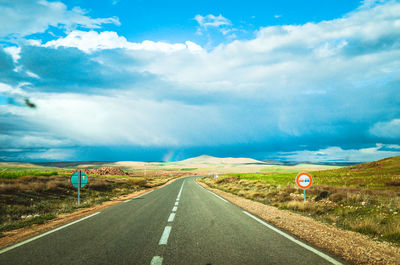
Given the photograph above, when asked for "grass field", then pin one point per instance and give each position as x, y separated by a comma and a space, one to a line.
33, 195
363, 198
14, 174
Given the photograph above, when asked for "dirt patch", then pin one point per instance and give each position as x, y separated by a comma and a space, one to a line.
351, 246
18, 235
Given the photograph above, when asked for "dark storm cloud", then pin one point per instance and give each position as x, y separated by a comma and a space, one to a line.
69, 69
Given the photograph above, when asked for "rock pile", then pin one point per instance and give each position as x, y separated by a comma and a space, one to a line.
105, 171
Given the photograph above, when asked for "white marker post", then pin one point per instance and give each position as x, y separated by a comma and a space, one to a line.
304, 181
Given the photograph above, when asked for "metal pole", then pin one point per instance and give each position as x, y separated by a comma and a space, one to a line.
304, 195
79, 186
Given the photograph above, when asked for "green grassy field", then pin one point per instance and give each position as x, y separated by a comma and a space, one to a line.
363, 198
15, 173
383, 174
33, 195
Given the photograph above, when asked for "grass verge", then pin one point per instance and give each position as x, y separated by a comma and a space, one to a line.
363, 198
35, 199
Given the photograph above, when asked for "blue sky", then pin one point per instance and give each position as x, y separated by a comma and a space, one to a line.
156, 80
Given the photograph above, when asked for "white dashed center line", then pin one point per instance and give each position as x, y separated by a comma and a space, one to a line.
180, 191
171, 217
157, 260
165, 235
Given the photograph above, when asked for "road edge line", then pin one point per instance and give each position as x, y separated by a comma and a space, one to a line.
317, 252
45, 234
211, 192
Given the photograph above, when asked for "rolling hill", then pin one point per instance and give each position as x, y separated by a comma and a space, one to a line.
205, 159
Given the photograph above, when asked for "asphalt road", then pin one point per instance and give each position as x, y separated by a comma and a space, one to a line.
181, 223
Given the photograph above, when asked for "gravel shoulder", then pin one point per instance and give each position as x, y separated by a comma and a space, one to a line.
353, 247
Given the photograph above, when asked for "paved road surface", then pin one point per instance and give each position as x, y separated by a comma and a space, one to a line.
181, 223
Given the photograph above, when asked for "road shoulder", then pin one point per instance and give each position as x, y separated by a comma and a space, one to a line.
352, 247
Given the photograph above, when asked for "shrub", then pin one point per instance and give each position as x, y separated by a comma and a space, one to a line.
369, 226
393, 237
138, 182
6, 187
99, 184
338, 196
322, 195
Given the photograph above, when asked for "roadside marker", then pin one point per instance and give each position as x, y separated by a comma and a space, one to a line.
165, 235
304, 181
319, 253
79, 180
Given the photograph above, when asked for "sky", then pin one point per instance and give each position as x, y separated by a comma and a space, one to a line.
167, 80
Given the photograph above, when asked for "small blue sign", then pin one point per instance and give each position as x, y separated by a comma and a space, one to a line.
75, 179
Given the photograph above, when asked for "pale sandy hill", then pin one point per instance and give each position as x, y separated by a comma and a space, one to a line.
128, 164
205, 159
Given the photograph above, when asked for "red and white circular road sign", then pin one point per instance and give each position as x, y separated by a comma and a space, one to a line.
304, 180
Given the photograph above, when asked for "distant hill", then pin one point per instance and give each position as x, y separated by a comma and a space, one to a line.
71, 163
381, 169
285, 163
387, 164
205, 159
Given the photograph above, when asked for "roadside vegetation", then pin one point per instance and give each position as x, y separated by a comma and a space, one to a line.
364, 198
30, 197
13, 174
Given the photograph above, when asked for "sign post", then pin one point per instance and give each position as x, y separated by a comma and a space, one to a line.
304, 181
79, 180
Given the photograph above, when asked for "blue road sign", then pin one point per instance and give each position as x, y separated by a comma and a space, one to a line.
75, 179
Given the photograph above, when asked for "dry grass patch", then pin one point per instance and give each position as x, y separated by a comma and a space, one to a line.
29, 200
375, 213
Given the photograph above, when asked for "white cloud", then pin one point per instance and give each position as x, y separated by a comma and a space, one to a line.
219, 23
303, 80
118, 120
371, 3
390, 129
326, 80
51, 155
35, 140
14, 91
14, 52
25, 17
283, 59
332, 154
92, 41
393, 146
212, 21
